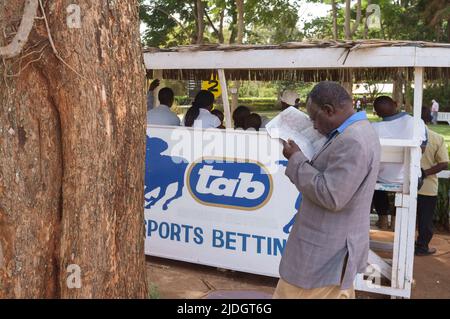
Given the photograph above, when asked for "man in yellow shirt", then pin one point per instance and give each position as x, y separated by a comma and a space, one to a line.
434, 160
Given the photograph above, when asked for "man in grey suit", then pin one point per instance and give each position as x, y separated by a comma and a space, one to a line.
329, 242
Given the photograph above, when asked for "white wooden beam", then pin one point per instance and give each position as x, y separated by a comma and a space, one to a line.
418, 99
384, 268
363, 285
433, 57
314, 58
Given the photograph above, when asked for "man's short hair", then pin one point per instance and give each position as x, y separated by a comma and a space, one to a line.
165, 95
331, 93
426, 115
383, 101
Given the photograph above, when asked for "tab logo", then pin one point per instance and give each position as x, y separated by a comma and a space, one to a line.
232, 184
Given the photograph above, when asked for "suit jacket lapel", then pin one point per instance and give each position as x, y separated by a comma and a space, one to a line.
324, 147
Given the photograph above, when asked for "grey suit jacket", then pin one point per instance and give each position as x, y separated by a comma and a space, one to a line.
333, 220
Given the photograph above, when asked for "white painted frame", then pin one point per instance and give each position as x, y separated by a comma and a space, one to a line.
401, 271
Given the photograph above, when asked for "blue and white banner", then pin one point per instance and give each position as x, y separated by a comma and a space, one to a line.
218, 198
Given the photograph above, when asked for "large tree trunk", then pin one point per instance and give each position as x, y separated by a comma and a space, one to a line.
239, 40
72, 149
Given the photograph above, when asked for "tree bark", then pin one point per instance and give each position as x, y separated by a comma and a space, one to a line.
200, 21
72, 152
239, 40
335, 24
348, 31
240, 20
397, 94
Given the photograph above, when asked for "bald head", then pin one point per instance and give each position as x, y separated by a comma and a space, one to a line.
331, 93
328, 106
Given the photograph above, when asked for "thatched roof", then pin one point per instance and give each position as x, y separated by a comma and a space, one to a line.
306, 74
351, 45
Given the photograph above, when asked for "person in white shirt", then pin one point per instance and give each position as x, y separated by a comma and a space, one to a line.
199, 114
434, 111
394, 125
163, 115
289, 98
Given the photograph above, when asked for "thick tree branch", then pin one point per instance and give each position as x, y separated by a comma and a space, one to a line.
174, 19
211, 23
358, 18
26, 25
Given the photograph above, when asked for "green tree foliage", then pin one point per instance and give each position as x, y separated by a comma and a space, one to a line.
169, 22
173, 22
419, 20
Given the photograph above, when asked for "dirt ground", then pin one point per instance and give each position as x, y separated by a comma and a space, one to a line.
180, 280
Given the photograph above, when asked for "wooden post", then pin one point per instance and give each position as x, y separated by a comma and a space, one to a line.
414, 169
226, 103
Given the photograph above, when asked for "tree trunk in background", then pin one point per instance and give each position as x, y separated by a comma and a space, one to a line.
200, 21
240, 21
72, 151
335, 24
239, 40
448, 30
366, 24
348, 31
397, 93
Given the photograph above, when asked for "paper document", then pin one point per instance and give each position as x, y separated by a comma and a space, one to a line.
295, 125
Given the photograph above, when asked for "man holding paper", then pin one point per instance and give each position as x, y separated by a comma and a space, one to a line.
329, 242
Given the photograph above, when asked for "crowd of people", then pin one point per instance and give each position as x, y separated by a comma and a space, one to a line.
202, 113
329, 244
399, 125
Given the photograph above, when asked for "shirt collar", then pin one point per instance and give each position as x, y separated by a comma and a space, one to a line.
394, 117
358, 116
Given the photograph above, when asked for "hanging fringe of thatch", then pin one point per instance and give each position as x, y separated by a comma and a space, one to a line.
315, 75
304, 75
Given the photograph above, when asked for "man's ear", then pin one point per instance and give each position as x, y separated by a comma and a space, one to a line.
329, 109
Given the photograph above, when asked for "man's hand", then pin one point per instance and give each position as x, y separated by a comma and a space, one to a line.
290, 148
153, 85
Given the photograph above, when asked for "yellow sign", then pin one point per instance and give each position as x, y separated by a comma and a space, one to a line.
213, 85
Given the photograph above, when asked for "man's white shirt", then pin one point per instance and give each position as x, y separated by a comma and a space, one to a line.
399, 126
162, 115
435, 107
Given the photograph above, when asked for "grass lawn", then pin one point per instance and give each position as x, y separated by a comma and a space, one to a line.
444, 130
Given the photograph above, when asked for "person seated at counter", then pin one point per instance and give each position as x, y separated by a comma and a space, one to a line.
163, 115
220, 115
394, 125
253, 122
239, 116
199, 114
289, 98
